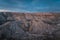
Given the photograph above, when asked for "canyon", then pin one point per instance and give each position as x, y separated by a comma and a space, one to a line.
33, 24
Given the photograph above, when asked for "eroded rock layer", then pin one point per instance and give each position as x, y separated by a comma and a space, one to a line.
30, 25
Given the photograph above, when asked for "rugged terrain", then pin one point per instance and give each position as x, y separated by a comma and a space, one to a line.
29, 26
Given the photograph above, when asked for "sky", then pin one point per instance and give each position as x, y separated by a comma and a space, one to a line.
30, 5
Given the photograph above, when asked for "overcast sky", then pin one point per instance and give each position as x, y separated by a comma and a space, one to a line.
30, 5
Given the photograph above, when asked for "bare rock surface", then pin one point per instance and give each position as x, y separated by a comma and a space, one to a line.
29, 26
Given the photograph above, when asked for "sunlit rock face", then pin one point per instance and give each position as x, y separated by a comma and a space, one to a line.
26, 25
38, 21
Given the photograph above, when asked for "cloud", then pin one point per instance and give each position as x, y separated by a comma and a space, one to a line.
3, 10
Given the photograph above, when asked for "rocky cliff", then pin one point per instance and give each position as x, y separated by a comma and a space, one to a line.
32, 24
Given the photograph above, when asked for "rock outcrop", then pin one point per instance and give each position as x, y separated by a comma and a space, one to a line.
29, 26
